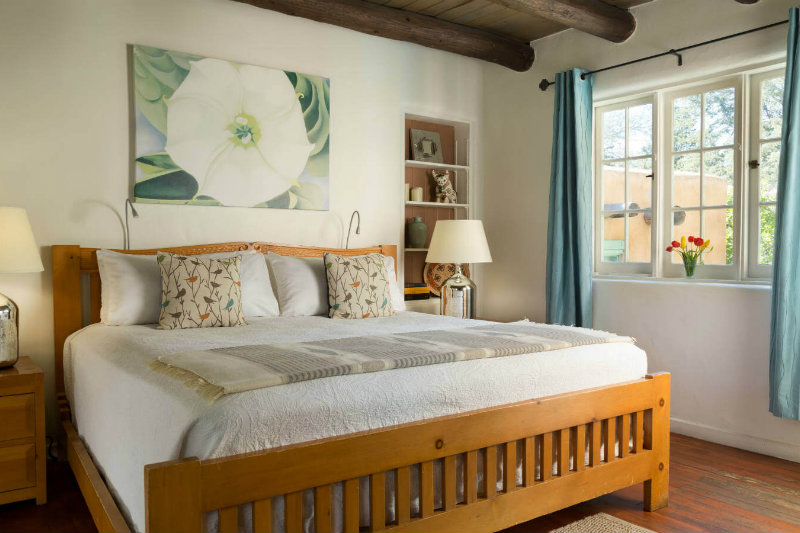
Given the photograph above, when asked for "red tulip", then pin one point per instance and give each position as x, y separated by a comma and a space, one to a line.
698, 241
690, 239
669, 248
676, 244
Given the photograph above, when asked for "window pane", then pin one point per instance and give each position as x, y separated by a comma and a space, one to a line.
639, 238
718, 177
614, 238
614, 134
718, 227
640, 130
686, 180
640, 186
771, 107
684, 223
613, 186
686, 123
766, 235
720, 110
768, 171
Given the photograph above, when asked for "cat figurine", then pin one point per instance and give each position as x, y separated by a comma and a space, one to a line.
445, 193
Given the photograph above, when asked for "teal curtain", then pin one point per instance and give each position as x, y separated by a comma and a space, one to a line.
569, 229
784, 348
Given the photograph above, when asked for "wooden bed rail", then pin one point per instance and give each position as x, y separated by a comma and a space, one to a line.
629, 422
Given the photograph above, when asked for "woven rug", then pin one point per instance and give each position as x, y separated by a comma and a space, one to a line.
601, 523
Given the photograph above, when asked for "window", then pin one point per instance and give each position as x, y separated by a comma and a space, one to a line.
704, 160
686, 174
765, 150
625, 168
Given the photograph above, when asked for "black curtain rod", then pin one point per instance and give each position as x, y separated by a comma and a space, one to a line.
545, 83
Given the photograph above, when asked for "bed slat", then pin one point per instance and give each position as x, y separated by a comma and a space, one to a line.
293, 510
262, 516
529, 462
624, 435
94, 299
402, 494
562, 437
322, 509
377, 501
610, 442
594, 443
510, 466
471, 477
426, 489
579, 448
490, 472
351, 511
229, 520
546, 469
638, 430
449, 483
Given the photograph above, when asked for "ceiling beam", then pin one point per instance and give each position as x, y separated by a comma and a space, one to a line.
591, 16
400, 25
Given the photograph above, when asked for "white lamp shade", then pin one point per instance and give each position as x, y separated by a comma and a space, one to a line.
458, 241
18, 250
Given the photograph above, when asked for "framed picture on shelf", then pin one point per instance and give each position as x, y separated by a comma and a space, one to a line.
426, 146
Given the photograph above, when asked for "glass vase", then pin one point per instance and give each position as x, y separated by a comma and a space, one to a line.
689, 264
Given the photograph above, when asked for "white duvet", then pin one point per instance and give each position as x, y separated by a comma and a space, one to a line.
130, 416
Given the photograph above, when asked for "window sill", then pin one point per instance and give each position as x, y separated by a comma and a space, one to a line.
758, 284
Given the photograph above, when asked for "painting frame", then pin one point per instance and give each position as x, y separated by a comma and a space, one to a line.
218, 132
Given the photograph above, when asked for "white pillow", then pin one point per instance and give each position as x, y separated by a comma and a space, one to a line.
131, 287
302, 285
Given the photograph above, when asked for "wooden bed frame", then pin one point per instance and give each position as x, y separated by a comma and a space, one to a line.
631, 417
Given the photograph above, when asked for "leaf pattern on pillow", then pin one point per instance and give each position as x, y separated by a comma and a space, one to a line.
358, 287
200, 293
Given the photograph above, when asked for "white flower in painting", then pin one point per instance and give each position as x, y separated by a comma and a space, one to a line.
238, 130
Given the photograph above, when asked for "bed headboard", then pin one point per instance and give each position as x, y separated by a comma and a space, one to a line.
71, 263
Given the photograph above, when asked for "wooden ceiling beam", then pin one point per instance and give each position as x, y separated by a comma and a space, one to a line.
400, 25
591, 16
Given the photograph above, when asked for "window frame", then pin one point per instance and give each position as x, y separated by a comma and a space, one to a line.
745, 267
624, 267
754, 268
675, 270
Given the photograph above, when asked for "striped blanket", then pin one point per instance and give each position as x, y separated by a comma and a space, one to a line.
221, 371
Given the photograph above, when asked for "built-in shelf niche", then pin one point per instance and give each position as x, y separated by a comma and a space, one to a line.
455, 147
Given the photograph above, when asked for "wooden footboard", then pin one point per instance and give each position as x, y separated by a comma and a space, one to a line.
629, 422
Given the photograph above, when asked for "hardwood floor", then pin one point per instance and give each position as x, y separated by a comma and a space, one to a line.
713, 488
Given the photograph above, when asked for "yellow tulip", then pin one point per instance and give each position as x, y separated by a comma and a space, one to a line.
705, 245
683, 242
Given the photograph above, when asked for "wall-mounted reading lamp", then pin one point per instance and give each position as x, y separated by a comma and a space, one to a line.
350, 227
135, 214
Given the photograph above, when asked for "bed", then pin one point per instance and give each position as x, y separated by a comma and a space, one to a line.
467, 446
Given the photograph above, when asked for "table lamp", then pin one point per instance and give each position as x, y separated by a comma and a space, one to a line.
458, 242
18, 254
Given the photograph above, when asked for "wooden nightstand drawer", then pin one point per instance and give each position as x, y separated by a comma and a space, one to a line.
18, 465
18, 416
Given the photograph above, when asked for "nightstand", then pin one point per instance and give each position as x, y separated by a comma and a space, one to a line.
22, 438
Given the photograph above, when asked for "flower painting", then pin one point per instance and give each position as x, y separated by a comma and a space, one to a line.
216, 132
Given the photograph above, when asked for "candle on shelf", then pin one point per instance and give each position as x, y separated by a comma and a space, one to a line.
416, 194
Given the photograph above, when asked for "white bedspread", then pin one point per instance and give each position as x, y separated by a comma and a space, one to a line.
130, 416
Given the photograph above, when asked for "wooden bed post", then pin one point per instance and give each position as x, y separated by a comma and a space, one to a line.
173, 496
66, 320
656, 428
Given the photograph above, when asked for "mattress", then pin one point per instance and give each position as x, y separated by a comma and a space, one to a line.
130, 416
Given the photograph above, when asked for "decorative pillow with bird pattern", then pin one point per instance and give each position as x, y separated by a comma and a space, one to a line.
199, 293
358, 286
